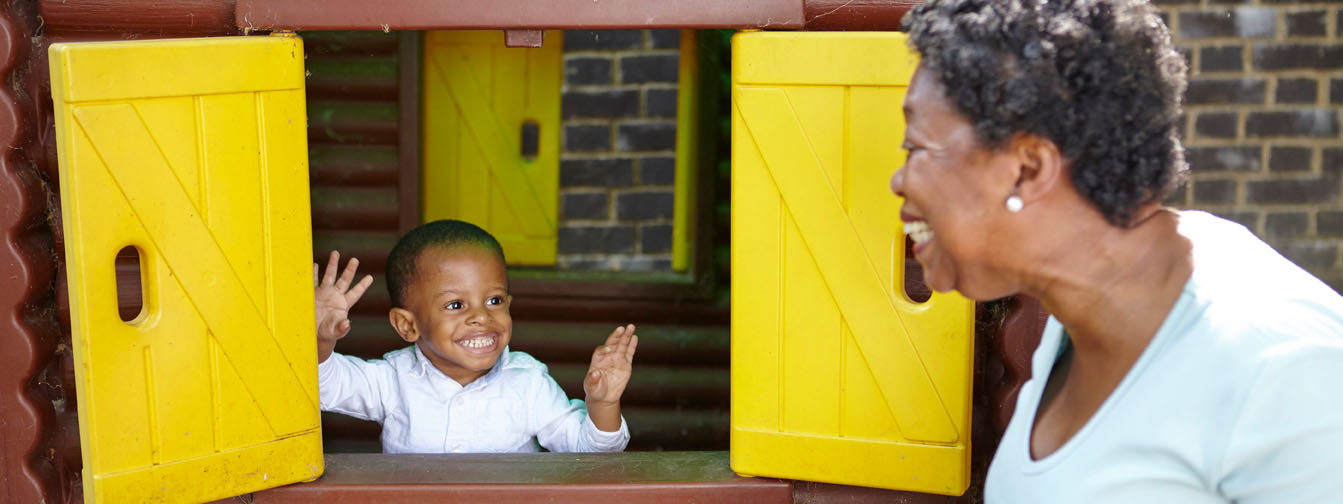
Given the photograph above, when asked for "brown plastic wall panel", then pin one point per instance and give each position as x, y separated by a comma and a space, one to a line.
136, 18
647, 478
872, 15
516, 14
1014, 345
32, 406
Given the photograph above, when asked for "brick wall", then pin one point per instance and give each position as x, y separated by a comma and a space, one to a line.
617, 165
1263, 131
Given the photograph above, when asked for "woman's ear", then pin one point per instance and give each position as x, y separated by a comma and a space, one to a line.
404, 323
1042, 166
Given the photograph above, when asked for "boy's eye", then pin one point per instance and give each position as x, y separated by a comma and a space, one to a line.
496, 300
455, 305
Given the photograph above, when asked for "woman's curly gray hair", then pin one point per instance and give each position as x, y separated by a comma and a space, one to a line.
1099, 78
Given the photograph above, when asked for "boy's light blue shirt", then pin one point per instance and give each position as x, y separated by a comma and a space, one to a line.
424, 411
1236, 398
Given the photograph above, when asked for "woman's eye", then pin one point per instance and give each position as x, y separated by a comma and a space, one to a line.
455, 305
496, 300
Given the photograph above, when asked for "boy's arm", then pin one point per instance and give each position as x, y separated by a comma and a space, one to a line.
563, 425
607, 377
354, 387
333, 297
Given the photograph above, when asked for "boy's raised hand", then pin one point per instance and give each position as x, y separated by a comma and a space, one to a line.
610, 369
334, 297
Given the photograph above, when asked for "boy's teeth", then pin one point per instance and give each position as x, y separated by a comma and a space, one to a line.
477, 342
918, 231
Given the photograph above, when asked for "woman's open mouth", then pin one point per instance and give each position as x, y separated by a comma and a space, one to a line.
919, 232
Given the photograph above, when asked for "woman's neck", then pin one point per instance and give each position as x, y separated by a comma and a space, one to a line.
1112, 287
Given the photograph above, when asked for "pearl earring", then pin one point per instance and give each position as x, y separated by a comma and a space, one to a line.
1014, 203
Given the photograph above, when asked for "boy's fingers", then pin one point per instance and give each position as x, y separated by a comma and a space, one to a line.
614, 337
314, 274
357, 291
332, 261
629, 350
347, 276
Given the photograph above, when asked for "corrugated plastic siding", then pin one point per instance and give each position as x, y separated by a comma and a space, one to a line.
678, 396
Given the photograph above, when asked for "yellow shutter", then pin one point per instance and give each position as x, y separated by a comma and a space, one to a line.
836, 375
477, 96
193, 151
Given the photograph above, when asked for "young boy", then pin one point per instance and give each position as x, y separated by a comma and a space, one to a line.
458, 388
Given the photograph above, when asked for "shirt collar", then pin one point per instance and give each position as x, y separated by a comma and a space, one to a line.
423, 368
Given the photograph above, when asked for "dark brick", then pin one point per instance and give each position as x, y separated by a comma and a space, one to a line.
603, 263
1208, 159
1306, 24
644, 205
1242, 22
1248, 219
646, 136
1216, 124
604, 104
665, 39
602, 239
655, 238
579, 40
1299, 190
654, 68
1297, 56
1214, 192
642, 263
596, 172
1309, 122
1285, 159
657, 171
1311, 255
660, 102
1329, 223
1215, 91
587, 137
1331, 161
1221, 59
587, 71
1286, 224
1336, 90
1296, 91
584, 206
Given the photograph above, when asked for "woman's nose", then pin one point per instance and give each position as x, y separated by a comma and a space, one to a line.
898, 182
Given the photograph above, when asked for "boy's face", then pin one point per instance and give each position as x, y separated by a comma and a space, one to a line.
459, 306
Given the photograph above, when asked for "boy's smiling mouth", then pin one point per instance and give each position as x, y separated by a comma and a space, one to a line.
479, 343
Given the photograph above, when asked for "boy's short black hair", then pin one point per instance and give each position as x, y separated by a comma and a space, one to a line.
441, 233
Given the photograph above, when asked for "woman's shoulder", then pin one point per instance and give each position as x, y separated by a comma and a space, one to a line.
1243, 281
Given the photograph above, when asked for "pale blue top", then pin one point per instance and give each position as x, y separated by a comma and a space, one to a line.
1238, 397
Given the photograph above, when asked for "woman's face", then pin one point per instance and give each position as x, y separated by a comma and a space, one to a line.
954, 192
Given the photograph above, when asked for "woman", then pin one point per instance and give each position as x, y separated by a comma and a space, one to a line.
1185, 360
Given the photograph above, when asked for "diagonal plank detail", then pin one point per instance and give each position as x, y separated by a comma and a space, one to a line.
186, 244
481, 121
845, 267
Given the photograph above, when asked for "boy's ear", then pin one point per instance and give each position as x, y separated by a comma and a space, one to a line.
404, 323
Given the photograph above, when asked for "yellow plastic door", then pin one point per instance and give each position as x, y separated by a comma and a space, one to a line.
491, 126
836, 375
193, 151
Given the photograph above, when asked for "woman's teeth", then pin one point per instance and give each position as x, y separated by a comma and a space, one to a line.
481, 342
918, 231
